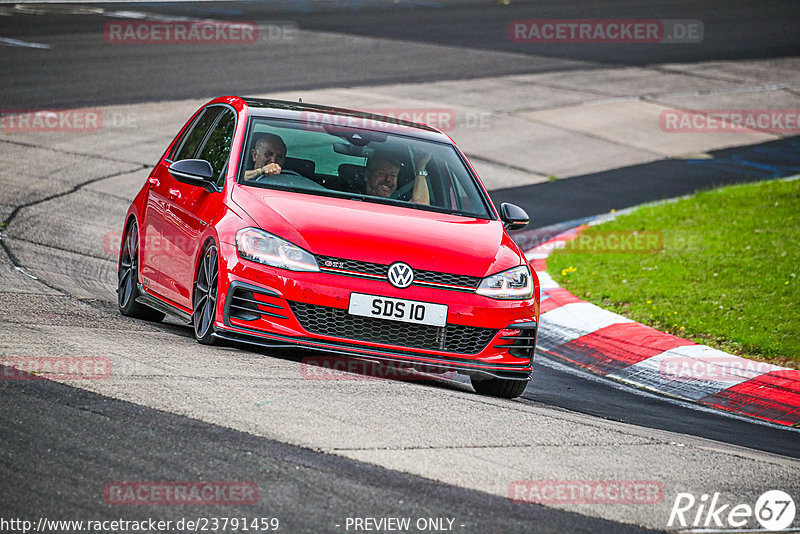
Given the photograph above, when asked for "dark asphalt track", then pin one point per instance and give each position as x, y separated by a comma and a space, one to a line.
593, 194
604, 398
82, 69
59, 445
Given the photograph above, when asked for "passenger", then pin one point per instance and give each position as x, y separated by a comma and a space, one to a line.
269, 153
380, 177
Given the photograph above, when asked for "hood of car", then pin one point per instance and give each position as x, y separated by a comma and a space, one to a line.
380, 233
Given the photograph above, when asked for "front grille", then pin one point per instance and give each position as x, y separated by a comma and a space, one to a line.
339, 323
378, 269
447, 278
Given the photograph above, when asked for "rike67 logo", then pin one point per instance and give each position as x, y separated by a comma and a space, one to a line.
774, 511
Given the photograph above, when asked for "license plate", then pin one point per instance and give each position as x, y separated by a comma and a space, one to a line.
407, 311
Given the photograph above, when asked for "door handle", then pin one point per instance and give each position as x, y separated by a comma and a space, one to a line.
174, 193
152, 182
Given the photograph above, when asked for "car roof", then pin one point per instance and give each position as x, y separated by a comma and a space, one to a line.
283, 109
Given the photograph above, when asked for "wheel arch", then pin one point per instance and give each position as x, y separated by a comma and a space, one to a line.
131, 218
209, 239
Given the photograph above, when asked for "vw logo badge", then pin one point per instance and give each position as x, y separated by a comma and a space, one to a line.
401, 275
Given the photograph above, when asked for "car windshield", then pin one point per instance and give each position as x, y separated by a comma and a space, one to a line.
361, 164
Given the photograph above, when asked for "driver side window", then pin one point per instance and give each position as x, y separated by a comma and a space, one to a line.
199, 130
218, 146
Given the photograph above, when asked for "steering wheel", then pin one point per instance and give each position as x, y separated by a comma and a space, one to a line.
273, 178
398, 194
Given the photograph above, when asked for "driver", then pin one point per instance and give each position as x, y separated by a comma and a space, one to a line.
380, 177
269, 153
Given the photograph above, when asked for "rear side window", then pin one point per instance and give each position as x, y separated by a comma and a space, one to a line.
218, 145
199, 129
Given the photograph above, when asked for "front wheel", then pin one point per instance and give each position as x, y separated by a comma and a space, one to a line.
499, 387
128, 279
204, 309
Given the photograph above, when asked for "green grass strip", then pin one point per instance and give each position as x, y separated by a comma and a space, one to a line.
727, 275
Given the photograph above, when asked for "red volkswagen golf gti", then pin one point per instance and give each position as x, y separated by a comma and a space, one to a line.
283, 224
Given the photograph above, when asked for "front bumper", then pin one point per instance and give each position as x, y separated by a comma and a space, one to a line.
267, 308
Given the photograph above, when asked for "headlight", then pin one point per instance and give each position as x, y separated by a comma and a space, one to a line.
515, 283
260, 246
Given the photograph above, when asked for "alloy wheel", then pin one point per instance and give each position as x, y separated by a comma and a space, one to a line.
128, 268
205, 295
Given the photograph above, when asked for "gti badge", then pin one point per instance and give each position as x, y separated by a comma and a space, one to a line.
400, 275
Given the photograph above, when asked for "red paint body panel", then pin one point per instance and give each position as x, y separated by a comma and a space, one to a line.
176, 220
380, 233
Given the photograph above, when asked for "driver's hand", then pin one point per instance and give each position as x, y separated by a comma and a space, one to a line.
271, 168
421, 160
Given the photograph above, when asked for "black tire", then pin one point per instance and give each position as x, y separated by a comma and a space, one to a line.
128, 279
499, 387
204, 297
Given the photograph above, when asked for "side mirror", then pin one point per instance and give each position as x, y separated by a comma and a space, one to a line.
514, 217
194, 172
